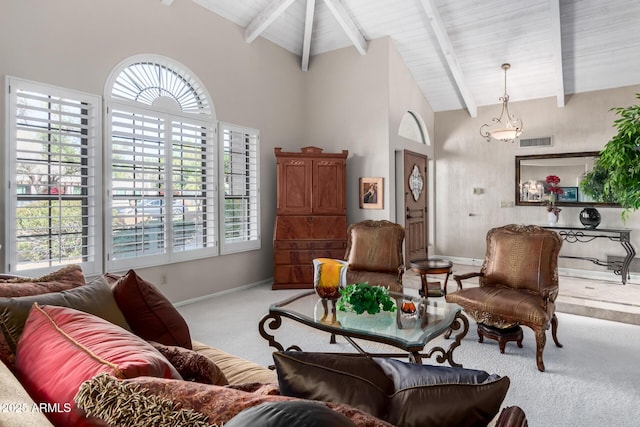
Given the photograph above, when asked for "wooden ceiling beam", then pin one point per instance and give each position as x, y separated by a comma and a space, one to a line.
308, 29
556, 40
438, 27
265, 18
347, 24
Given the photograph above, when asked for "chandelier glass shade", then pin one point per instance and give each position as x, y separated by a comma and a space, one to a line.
506, 127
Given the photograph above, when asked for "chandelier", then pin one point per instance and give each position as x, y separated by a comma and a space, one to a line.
505, 127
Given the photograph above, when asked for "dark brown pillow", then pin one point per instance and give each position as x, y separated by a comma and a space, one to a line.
191, 365
149, 313
94, 298
68, 277
440, 396
353, 380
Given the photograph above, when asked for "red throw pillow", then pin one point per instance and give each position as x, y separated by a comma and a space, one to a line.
149, 313
61, 347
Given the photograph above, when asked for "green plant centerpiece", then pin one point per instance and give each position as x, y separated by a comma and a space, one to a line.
360, 297
616, 173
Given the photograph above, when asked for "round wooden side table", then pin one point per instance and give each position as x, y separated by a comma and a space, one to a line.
432, 266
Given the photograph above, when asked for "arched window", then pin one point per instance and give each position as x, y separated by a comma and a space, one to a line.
161, 164
413, 127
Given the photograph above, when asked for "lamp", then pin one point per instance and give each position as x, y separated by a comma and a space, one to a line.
500, 130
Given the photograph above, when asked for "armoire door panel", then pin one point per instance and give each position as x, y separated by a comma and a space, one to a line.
328, 187
294, 186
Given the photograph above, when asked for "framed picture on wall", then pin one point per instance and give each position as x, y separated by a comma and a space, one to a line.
371, 193
569, 194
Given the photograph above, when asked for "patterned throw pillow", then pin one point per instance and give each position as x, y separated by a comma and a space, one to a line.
165, 402
192, 365
68, 277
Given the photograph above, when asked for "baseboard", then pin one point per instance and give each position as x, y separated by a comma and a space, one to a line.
220, 293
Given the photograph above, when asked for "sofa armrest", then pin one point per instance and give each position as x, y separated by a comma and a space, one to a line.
236, 369
460, 277
18, 407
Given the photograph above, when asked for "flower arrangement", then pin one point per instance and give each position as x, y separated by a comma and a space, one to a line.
554, 192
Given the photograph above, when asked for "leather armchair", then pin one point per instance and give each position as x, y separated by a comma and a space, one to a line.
374, 254
518, 282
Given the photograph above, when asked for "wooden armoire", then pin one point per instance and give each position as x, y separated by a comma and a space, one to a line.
311, 214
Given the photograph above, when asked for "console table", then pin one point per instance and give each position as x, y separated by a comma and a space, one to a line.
586, 235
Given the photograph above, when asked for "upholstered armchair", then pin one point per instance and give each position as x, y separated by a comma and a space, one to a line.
518, 282
374, 254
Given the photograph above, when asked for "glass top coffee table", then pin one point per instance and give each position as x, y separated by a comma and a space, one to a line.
410, 333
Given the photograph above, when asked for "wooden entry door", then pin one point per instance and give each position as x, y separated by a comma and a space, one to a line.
416, 206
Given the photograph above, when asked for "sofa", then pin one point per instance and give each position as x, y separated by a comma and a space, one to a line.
114, 351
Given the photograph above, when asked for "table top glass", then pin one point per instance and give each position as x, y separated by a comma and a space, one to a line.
402, 330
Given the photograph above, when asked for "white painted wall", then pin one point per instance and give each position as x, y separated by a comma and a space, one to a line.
465, 160
347, 105
357, 102
405, 95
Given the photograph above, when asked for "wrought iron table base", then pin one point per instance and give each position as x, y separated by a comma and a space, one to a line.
582, 235
274, 320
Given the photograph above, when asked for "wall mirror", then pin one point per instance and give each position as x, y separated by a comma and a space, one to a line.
531, 172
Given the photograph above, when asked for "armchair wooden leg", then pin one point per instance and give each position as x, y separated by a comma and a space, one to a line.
541, 340
554, 329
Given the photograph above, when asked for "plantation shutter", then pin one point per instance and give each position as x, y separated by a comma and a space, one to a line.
163, 187
138, 179
54, 170
194, 178
241, 192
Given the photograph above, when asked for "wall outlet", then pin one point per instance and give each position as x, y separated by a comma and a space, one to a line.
506, 204
478, 190
163, 279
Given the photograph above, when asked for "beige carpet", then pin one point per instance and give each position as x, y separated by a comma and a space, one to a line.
592, 381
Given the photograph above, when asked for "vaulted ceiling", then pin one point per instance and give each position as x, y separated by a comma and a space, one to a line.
455, 48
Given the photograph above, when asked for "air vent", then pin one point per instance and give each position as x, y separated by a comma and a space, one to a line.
535, 142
